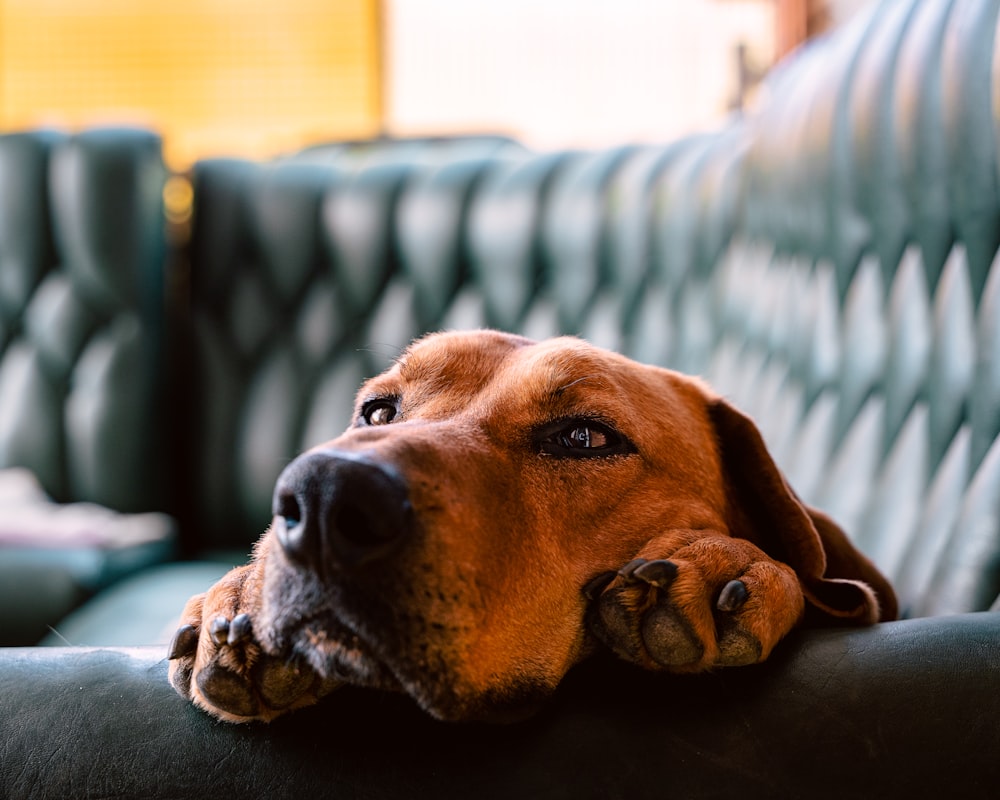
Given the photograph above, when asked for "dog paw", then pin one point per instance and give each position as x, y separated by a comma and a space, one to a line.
713, 602
217, 662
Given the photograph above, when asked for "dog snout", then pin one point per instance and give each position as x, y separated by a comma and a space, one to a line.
340, 508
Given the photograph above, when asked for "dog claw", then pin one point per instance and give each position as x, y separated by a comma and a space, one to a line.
732, 596
219, 630
659, 573
595, 586
240, 628
627, 573
184, 643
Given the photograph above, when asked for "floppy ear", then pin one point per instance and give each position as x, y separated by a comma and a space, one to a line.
839, 583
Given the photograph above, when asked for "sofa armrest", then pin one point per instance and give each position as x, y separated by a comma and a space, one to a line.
902, 709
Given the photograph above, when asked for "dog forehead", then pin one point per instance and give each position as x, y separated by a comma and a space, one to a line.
487, 358
454, 354
567, 367
567, 358
479, 361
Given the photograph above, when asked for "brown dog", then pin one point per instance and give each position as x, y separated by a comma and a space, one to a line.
499, 510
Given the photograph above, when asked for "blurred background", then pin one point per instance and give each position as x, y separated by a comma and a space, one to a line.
257, 77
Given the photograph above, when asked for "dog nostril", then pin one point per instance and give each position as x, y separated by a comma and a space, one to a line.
288, 522
289, 510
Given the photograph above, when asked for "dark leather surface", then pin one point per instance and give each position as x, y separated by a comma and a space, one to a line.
906, 709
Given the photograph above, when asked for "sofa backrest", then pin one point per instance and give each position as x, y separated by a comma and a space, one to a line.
81, 314
828, 260
858, 303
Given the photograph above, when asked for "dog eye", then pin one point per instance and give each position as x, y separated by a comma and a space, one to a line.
379, 412
583, 439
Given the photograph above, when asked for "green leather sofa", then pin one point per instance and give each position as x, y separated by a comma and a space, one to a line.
82, 351
829, 260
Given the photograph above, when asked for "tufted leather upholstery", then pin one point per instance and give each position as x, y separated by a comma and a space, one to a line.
82, 363
81, 328
874, 329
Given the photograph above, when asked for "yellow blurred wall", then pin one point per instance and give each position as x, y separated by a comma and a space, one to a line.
215, 77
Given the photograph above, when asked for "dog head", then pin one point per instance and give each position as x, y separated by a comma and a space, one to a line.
441, 544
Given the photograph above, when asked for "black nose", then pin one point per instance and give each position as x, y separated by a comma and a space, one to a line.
340, 507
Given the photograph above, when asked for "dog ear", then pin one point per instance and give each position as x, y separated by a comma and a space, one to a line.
839, 583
